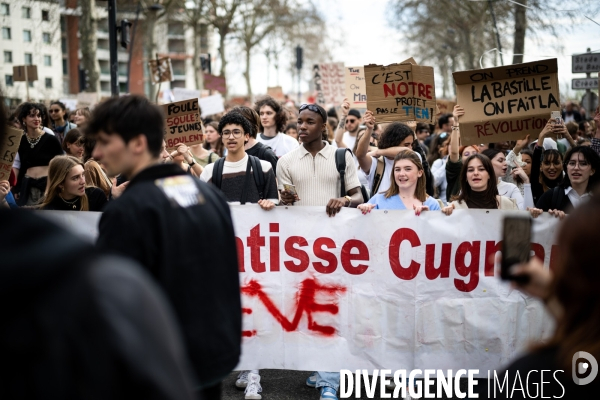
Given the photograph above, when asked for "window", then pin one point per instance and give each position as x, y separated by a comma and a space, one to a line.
48, 83
26, 35
65, 66
26, 12
45, 15
63, 24
28, 59
6, 33
5, 10
48, 61
8, 57
8, 80
63, 45
46, 37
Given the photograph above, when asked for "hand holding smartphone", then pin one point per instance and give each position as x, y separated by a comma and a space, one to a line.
516, 246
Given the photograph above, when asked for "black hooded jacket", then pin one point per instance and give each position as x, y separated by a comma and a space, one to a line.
76, 325
180, 230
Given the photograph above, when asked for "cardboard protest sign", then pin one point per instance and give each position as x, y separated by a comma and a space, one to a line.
213, 82
183, 123
276, 92
185, 94
8, 150
444, 107
330, 83
401, 92
356, 88
20, 74
506, 103
160, 70
87, 99
211, 105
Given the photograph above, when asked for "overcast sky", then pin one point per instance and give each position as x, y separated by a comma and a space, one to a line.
370, 40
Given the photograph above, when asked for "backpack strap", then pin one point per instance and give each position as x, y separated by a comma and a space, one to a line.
379, 171
259, 175
217, 173
340, 164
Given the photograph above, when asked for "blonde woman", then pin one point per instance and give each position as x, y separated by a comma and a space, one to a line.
407, 188
66, 189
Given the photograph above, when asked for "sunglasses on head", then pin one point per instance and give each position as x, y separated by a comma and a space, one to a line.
313, 108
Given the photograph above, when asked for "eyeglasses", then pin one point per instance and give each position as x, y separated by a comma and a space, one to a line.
351, 121
582, 164
236, 133
314, 108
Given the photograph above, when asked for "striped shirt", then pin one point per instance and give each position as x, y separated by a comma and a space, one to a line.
317, 179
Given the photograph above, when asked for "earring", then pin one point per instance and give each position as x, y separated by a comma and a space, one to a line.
62, 189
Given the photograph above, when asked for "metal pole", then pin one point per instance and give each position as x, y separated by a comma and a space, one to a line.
588, 93
112, 39
497, 34
27, 82
299, 91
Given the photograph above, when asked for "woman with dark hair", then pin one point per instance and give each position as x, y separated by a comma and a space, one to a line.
407, 187
212, 139
437, 158
508, 189
569, 289
478, 187
60, 125
546, 166
581, 163
36, 150
292, 130
73, 143
66, 189
273, 120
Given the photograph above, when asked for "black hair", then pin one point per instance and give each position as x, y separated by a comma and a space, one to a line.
44, 114
251, 116
73, 136
129, 117
421, 126
444, 119
591, 157
394, 134
332, 113
491, 153
280, 114
60, 104
25, 110
234, 118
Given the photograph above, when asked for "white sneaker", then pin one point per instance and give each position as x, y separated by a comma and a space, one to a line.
253, 389
242, 379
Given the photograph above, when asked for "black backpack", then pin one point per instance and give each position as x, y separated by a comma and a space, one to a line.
340, 164
257, 171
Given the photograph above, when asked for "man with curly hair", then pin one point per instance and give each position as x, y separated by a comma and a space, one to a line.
273, 120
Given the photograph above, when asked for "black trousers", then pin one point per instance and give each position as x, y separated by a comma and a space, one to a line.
211, 392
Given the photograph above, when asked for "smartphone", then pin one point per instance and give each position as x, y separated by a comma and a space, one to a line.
290, 188
516, 246
556, 116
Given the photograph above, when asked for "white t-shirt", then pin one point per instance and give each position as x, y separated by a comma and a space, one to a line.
385, 179
348, 140
281, 144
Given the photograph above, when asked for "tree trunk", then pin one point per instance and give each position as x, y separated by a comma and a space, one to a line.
520, 30
247, 74
198, 73
88, 44
150, 49
223, 56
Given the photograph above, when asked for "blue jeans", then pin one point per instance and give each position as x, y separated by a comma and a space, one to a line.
331, 379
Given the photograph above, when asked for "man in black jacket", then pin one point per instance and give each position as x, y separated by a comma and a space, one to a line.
178, 228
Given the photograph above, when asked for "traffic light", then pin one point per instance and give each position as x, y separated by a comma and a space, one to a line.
205, 63
124, 29
298, 58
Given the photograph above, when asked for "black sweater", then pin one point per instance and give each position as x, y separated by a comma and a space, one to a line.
96, 201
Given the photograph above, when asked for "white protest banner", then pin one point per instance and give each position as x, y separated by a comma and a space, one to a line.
384, 290
87, 99
70, 104
330, 83
185, 94
211, 105
401, 92
356, 88
506, 103
183, 123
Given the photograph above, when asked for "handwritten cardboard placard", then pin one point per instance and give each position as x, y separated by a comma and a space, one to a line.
330, 83
8, 150
276, 92
160, 70
506, 103
211, 105
213, 82
183, 123
356, 88
401, 92
87, 99
19, 73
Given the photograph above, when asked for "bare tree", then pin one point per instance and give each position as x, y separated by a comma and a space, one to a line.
194, 17
222, 14
88, 43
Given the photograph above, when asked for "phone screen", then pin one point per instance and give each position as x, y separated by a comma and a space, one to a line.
516, 245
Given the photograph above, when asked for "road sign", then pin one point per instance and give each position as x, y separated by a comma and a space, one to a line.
584, 83
587, 62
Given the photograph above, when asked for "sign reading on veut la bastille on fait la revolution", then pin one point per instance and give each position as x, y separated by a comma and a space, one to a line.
506, 103
387, 290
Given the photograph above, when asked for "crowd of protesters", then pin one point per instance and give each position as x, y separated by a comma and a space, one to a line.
273, 155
